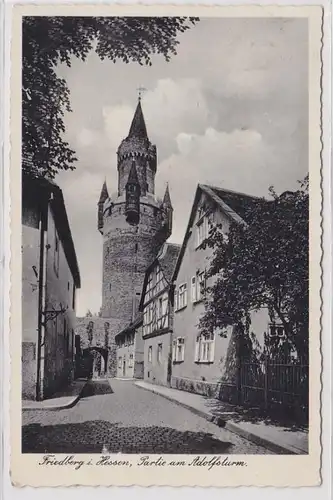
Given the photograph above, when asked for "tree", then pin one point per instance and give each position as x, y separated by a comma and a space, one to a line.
263, 263
48, 41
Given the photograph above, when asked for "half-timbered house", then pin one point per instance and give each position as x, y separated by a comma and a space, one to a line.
157, 307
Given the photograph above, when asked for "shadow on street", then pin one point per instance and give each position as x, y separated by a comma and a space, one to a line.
94, 436
96, 387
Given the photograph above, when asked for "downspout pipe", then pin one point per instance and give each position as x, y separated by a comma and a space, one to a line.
41, 291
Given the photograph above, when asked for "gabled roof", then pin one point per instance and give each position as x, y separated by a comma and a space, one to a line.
33, 186
132, 326
138, 126
233, 204
167, 259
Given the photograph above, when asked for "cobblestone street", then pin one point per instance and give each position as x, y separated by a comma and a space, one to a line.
118, 416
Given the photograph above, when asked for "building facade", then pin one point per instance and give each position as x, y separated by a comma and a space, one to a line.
206, 364
157, 308
134, 224
130, 351
50, 278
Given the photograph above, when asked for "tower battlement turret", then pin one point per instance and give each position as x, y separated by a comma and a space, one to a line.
134, 224
137, 145
133, 191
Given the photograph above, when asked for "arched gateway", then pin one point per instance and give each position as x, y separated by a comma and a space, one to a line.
97, 365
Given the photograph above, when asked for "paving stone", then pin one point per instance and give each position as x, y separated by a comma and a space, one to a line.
121, 417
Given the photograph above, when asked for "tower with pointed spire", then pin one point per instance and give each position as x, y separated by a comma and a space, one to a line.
134, 224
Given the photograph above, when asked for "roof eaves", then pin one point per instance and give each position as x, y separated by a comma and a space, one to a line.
226, 209
189, 225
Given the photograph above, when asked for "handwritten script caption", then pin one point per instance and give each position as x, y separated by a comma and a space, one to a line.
143, 461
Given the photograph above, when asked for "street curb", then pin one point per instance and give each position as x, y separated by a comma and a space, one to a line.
65, 406
233, 427
261, 441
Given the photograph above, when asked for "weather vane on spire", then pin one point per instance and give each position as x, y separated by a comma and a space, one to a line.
141, 90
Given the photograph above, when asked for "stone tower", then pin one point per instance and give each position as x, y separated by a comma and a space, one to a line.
134, 225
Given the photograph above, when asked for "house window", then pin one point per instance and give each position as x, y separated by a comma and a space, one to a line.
204, 226
56, 254
148, 317
204, 349
149, 291
198, 287
275, 330
182, 296
159, 353
150, 354
159, 277
120, 359
130, 361
201, 231
178, 350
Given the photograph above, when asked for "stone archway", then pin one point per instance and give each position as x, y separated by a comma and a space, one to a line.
102, 370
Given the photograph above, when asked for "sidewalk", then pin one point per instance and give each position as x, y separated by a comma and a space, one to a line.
60, 400
281, 440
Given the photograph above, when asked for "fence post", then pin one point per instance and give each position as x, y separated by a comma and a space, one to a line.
266, 365
238, 366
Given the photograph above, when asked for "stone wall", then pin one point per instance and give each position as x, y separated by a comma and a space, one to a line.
99, 332
127, 252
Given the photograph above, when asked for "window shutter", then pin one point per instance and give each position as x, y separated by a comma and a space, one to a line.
193, 289
183, 352
176, 300
197, 350
174, 347
212, 350
185, 295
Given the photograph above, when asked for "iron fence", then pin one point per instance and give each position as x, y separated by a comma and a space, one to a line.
275, 383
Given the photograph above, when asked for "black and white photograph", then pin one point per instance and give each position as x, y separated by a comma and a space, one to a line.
165, 283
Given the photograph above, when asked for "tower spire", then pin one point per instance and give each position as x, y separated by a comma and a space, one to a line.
138, 126
104, 193
167, 200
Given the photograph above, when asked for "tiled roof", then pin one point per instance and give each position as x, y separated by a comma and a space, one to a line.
138, 126
168, 259
240, 203
234, 205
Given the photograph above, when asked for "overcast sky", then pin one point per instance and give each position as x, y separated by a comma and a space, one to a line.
231, 109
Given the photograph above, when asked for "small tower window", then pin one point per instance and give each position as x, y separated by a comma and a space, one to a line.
136, 247
110, 287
